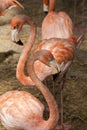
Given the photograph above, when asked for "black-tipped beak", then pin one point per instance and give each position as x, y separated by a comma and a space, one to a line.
45, 12
45, 9
19, 43
15, 37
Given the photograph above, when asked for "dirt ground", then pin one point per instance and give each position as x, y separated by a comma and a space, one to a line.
75, 91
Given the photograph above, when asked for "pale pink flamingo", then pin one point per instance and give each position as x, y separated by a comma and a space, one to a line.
20, 110
8, 4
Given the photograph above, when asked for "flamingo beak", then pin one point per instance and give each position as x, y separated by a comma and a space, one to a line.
15, 37
45, 8
55, 67
15, 3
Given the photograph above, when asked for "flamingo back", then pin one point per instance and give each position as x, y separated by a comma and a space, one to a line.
62, 49
57, 25
19, 110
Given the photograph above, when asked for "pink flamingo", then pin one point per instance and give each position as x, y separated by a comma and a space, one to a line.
21, 110
62, 50
59, 25
8, 4
42, 73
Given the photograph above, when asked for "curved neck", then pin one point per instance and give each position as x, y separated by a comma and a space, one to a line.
21, 64
51, 5
54, 115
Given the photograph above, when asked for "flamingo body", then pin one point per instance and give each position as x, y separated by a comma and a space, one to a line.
63, 52
62, 49
57, 25
21, 110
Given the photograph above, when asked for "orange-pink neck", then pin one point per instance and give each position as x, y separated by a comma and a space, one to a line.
54, 115
51, 5
22, 60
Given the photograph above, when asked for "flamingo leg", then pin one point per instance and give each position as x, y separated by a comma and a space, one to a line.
54, 78
80, 40
63, 125
62, 82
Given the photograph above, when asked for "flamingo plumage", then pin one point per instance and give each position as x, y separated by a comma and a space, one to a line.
8, 4
21, 110
57, 24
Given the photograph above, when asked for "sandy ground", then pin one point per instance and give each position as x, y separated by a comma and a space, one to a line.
75, 91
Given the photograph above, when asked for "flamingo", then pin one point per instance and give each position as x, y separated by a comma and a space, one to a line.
21, 110
62, 50
42, 73
16, 24
8, 4
59, 25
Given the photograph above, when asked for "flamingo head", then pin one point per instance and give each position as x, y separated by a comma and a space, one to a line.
47, 58
15, 36
16, 26
14, 3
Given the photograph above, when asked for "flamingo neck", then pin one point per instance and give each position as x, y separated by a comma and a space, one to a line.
51, 5
22, 60
54, 115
